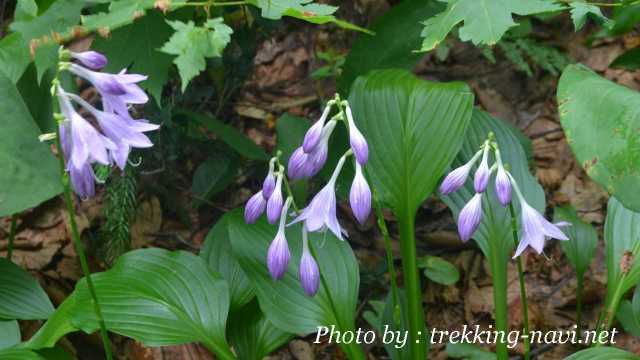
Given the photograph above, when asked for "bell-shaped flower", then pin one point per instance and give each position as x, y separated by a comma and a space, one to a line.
254, 208
314, 134
274, 204
121, 84
296, 168
356, 139
456, 178
318, 157
278, 254
269, 183
91, 59
308, 270
321, 211
503, 186
481, 178
535, 230
469, 217
360, 196
83, 181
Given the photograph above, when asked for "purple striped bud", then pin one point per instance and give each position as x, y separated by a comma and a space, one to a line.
309, 273
469, 217
535, 230
455, 179
503, 186
278, 254
274, 204
91, 59
481, 179
357, 141
360, 196
318, 157
297, 167
314, 134
254, 208
269, 184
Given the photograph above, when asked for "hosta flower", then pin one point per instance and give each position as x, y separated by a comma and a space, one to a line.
318, 157
357, 141
321, 211
255, 207
503, 186
274, 204
469, 217
83, 181
456, 178
308, 271
122, 85
481, 178
91, 59
297, 166
278, 254
535, 229
314, 134
269, 183
360, 196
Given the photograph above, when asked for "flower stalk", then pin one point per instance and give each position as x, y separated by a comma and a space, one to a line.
523, 289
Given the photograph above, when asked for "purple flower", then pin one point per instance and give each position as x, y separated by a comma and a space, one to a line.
481, 179
503, 186
254, 208
534, 230
308, 271
314, 134
91, 59
360, 196
316, 159
278, 254
269, 184
357, 141
121, 85
321, 211
469, 217
297, 166
274, 204
456, 178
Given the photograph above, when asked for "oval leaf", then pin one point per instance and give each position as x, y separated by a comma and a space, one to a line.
21, 297
439, 270
622, 240
9, 333
602, 353
610, 113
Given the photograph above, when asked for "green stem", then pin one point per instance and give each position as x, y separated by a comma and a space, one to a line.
223, 353
387, 247
579, 295
417, 332
523, 289
12, 235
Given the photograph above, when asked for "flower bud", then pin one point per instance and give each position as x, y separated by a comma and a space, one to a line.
481, 179
268, 185
91, 59
357, 141
316, 159
254, 208
274, 204
278, 255
360, 196
503, 186
314, 134
455, 179
469, 217
296, 168
309, 273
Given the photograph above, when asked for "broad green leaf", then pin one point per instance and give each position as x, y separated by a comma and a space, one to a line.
227, 133
588, 117
25, 10
414, 129
629, 314
283, 301
485, 21
213, 176
439, 270
629, 60
58, 19
14, 56
396, 317
218, 254
21, 297
252, 335
120, 13
622, 240
46, 59
135, 47
58, 325
192, 44
159, 298
9, 333
624, 19
20, 354
583, 239
468, 351
602, 353
581, 10
37, 98
30, 173
397, 34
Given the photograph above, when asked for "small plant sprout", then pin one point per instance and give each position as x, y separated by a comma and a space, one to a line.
320, 214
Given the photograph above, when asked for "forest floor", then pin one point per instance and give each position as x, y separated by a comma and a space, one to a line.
281, 82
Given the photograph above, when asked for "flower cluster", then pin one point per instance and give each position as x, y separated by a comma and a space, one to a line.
535, 228
320, 214
116, 133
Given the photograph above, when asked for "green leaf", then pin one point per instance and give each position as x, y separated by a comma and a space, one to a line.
414, 129
582, 242
30, 172
37, 98
629, 314
283, 301
397, 35
252, 335
20, 354
58, 325
46, 59
14, 56
624, 19
120, 13
135, 47
485, 21
581, 10
602, 353
218, 254
622, 240
21, 297
227, 133
9, 333
213, 176
629, 60
57, 19
439, 270
589, 116
468, 352
192, 44
159, 298
25, 10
